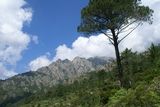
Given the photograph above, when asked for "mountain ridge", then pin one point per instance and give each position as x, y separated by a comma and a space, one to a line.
57, 72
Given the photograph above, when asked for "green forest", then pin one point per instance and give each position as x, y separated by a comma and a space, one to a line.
102, 88
131, 78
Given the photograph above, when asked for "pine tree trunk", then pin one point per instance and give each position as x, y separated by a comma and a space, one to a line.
118, 59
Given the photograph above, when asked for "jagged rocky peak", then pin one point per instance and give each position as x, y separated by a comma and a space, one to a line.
99, 60
78, 60
56, 72
62, 61
66, 60
59, 61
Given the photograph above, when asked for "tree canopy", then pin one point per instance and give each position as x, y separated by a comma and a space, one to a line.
103, 15
112, 17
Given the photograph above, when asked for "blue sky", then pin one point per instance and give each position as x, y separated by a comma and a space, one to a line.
54, 22
35, 33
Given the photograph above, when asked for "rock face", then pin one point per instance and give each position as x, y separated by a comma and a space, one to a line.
57, 72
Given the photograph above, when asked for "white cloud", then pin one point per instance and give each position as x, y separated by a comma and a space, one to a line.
83, 47
39, 62
86, 47
146, 34
13, 41
4, 73
150, 2
139, 40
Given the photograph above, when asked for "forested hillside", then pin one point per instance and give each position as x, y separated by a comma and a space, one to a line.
102, 88
59, 72
113, 62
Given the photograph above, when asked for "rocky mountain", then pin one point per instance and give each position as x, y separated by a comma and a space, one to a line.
58, 72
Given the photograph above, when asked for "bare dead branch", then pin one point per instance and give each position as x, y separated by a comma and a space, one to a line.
129, 32
107, 35
124, 27
124, 31
111, 42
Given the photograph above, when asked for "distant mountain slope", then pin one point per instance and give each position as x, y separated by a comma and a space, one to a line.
101, 88
97, 89
45, 77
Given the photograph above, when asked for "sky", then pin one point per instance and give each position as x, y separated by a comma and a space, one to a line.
35, 33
